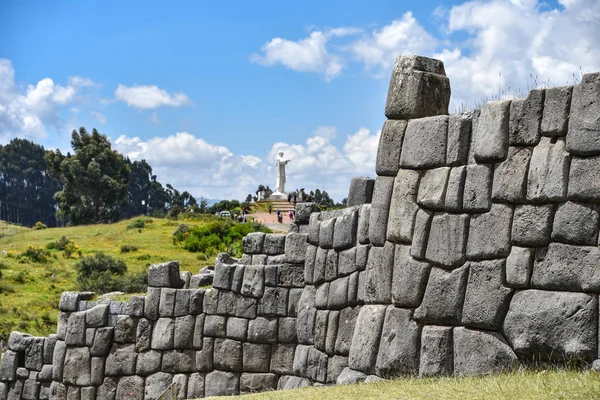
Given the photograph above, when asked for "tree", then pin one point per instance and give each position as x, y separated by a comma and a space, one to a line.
95, 179
138, 191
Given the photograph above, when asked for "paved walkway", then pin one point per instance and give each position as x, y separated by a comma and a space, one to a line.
270, 220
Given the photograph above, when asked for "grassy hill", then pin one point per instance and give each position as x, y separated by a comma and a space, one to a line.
30, 288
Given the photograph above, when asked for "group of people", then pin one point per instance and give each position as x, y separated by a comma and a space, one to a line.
291, 214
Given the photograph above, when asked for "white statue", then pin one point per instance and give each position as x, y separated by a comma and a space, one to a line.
280, 162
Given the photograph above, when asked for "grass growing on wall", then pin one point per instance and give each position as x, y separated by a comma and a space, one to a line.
524, 384
36, 266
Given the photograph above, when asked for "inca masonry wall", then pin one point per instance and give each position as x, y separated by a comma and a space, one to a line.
474, 250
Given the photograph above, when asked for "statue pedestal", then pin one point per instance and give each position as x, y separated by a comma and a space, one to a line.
277, 195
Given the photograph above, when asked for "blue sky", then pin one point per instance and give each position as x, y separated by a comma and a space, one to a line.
208, 92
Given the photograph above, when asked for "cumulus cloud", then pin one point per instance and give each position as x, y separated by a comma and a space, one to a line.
204, 169
101, 118
28, 111
148, 97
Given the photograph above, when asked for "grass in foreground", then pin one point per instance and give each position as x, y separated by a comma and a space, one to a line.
30, 290
524, 384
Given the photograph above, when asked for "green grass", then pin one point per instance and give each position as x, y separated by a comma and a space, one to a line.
524, 384
30, 291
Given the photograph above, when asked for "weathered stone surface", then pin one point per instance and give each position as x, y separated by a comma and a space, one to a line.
262, 330
532, 225
331, 265
403, 207
75, 332
345, 332
226, 304
510, 176
125, 329
290, 275
380, 267
314, 228
184, 332
222, 279
436, 351
9, 365
576, 223
252, 383
97, 316
481, 353
332, 330
254, 281
204, 357
256, 357
228, 355
421, 234
455, 189
566, 267
583, 179
156, 384
167, 302
447, 240
215, 325
293, 301
130, 388
31, 389
478, 188
583, 138
344, 234
316, 365
338, 294
335, 366
365, 341
548, 171
182, 301
353, 289
162, 334
148, 362
380, 207
321, 329
557, 105
526, 118
287, 330
179, 361
432, 188
282, 358
399, 344
459, 138
253, 243
58, 360
486, 298
552, 325
34, 355
364, 215
49, 344
292, 382
306, 315
390, 147
164, 275
518, 267
326, 233
303, 212
301, 360
489, 233
418, 88
295, 247
309, 264
425, 143
347, 261
443, 299
490, 140
76, 370
409, 278
135, 306
349, 377
320, 263
361, 189
69, 301
274, 302
152, 303
121, 360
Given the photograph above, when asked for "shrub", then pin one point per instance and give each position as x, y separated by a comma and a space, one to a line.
135, 283
100, 273
71, 248
59, 244
137, 224
144, 257
39, 225
127, 248
181, 230
35, 254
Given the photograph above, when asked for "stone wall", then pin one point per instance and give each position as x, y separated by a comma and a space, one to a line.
473, 251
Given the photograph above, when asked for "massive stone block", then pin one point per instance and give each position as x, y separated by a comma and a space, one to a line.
380, 209
532, 225
455, 189
518, 267
228, 355
478, 188
567, 267
489, 233
421, 234
390, 147
306, 315
252, 383
364, 215
256, 357
403, 207
436, 351
346, 324
526, 119
418, 88
399, 344
303, 212
409, 278
510, 176
361, 190
444, 296
365, 341
459, 138
344, 233
155, 385
557, 105
254, 281
162, 335
548, 172
379, 274
447, 240
273, 244
486, 298
295, 247
583, 138
164, 275
425, 143
121, 360
490, 140
221, 383
326, 233
253, 243
131, 388
432, 188
314, 228
553, 325
331, 265
481, 353
76, 370
583, 179
576, 223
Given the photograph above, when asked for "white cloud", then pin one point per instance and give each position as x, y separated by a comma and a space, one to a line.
154, 118
101, 118
147, 97
306, 55
190, 163
27, 112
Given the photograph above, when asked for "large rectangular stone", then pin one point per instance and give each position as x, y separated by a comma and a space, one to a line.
455, 189
444, 297
399, 344
478, 188
361, 191
421, 234
365, 341
548, 172
436, 351
526, 118
432, 188
583, 138
518, 267
489, 233
557, 105
390, 147
344, 233
459, 138
491, 137
403, 207
380, 267
576, 223
447, 240
425, 142
532, 225
409, 279
510, 176
380, 209
584, 184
